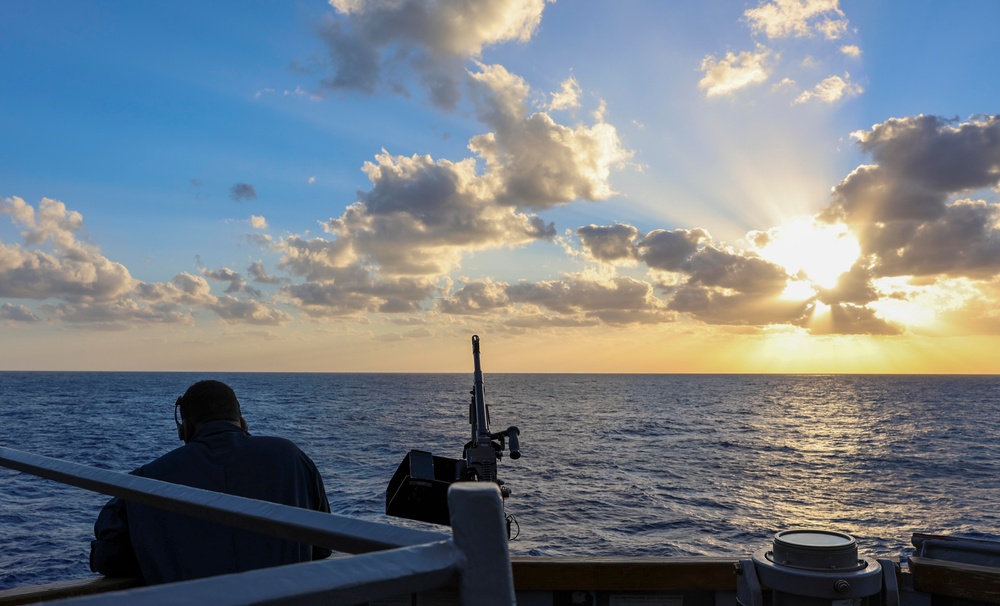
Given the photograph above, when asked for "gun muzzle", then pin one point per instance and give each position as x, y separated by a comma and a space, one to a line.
515, 443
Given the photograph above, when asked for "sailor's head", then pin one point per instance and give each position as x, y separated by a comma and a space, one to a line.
203, 402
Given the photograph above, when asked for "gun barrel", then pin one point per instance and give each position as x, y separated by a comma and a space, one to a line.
481, 416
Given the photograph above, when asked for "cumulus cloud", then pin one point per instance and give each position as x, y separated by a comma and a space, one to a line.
904, 208
779, 20
258, 222
913, 217
79, 286
568, 95
377, 44
734, 72
242, 191
798, 19
661, 249
830, 90
610, 243
534, 161
70, 269
422, 215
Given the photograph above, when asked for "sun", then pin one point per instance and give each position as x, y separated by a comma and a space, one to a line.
817, 252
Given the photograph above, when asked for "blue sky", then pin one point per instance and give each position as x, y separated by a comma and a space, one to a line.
362, 185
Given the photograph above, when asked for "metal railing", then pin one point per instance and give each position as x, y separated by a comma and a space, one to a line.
389, 560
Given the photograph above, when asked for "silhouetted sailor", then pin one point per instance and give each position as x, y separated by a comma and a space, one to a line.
219, 454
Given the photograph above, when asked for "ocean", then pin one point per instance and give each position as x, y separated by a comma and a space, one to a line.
612, 465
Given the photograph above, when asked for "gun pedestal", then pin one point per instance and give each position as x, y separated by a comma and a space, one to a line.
419, 488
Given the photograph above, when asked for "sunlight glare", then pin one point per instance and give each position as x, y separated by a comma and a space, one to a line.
798, 290
920, 305
821, 252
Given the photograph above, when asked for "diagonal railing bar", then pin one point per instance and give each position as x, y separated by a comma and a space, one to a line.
337, 532
349, 580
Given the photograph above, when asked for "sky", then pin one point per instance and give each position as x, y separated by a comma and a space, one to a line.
776, 186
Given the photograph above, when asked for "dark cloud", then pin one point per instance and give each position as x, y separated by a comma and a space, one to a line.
224, 274
719, 306
610, 243
847, 319
714, 267
17, 313
260, 275
612, 300
242, 191
671, 250
902, 208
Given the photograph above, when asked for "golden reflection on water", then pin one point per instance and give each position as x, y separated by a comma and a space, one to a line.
823, 460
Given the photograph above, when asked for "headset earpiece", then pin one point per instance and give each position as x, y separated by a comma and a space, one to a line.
181, 433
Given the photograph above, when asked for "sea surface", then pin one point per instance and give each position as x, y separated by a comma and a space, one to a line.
612, 465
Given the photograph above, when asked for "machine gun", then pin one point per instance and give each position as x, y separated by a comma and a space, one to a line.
419, 488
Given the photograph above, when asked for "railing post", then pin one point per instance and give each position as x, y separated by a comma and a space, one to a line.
480, 533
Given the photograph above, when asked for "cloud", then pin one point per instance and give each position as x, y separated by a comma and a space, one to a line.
378, 44
903, 207
260, 275
258, 222
10, 313
610, 243
353, 290
242, 191
248, 311
422, 215
567, 97
82, 287
535, 161
780, 20
798, 19
671, 250
851, 50
579, 299
224, 274
830, 90
475, 298
734, 72
70, 269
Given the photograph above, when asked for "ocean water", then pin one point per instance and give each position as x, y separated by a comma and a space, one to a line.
612, 465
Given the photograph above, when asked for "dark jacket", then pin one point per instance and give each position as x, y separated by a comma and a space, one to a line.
163, 547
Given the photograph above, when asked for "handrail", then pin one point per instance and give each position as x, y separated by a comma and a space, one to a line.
408, 560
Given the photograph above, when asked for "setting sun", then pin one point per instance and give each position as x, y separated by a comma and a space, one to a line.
820, 253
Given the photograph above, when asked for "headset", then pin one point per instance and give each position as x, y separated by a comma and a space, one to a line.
182, 424
179, 420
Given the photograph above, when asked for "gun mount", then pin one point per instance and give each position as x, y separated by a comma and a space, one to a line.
419, 488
